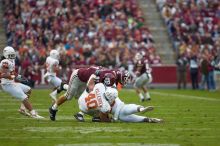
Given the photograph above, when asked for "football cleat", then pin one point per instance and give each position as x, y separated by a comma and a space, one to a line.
79, 117
148, 99
96, 119
24, 112
36, 116
52, 114
142, 100
153, 120
146, 109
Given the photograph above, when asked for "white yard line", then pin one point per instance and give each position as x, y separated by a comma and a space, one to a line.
185, 96
118, 144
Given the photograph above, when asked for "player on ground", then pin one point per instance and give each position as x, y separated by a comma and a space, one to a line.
109, 78
126, 112
18, 90
143, 76
52, 66
95, 103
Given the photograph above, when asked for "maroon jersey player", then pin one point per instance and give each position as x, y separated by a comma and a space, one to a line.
143, 76
77, 84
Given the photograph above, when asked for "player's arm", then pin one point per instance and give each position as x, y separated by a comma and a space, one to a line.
7, 75
91, 83
138, 70
55, 67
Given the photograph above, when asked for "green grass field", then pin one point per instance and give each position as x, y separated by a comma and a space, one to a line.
192, 118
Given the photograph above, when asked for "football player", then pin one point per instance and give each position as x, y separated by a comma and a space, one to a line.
77, 84
52, 66
126, 112
16, 89
143, 76
109, 78
95, 103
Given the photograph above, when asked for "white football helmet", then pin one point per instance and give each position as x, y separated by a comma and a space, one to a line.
9, 53
111, 94
55, 54
138, 56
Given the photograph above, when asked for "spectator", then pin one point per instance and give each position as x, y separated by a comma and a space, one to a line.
194, 71
181, 71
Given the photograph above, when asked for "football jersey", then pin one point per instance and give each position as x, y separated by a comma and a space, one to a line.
95, 100
144, 65
7, 66
85, 73
50, 64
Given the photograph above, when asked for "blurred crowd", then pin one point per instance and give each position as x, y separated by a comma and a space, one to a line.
85, 32
194, 28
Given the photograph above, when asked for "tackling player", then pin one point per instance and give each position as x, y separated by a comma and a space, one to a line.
17, 90
143, 76
77, 84
52, 66
109, 78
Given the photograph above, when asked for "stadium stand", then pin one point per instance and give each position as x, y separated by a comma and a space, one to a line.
194, 27
101, 32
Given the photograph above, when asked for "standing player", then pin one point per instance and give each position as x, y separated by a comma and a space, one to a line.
143, 76
52, 66
18, 90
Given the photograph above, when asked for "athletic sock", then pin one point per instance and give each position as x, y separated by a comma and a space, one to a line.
54, 107
141, 96
81, 113
147, 95
65, 86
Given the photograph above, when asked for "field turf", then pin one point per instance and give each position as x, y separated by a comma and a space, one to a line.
192, 118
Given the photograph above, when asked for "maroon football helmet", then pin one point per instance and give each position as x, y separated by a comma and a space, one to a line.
109, 79
123, 77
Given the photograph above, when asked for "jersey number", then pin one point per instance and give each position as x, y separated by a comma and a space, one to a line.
91, 101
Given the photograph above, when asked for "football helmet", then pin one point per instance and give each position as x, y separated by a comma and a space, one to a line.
55, 54
109, 79
111, 94
9, 53
123, 77
138, 56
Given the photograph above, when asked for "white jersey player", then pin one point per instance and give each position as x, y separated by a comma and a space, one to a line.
126, 112
95, 103
52, 66
18, 90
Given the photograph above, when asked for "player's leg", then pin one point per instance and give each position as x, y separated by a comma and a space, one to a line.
132, 118
147, 78
146, 93
27, 90
56, 83
16, 91
82, 106
129, 109
137, 86
71, 91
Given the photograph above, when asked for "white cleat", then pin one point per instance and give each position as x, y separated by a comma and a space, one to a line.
155, 120
24, 112
36, 116
146, 109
